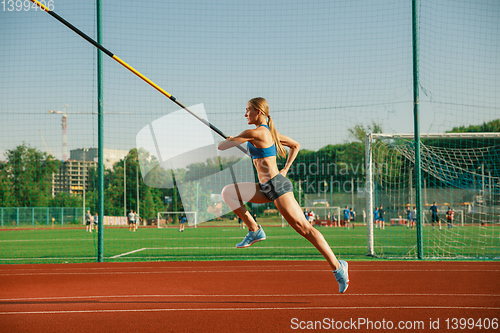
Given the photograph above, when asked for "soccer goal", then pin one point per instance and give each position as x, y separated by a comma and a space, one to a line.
458, 170
166, 219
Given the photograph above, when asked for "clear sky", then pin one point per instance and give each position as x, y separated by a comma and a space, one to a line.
324, 66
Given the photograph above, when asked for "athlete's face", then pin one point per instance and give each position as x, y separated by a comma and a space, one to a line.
252, 114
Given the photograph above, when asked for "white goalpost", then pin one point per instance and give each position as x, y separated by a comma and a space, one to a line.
164, 219
459, 170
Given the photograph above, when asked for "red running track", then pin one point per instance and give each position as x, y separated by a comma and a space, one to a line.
249, 296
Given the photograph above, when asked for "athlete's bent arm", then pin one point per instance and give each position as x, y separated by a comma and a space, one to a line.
292, 153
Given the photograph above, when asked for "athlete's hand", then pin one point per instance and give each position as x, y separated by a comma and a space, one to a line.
223, 145
284, 172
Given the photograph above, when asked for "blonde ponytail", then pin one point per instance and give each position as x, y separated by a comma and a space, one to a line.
279, 147
260, 103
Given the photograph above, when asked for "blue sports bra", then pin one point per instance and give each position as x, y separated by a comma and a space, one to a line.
261, 152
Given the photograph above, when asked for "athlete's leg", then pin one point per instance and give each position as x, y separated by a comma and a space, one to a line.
235, 196
289, 208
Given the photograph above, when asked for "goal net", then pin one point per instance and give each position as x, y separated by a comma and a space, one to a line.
459, 172
170, 219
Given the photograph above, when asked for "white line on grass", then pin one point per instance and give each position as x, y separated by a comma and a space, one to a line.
127, 253
214, 248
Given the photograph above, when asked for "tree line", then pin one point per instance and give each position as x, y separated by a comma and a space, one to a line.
26, 175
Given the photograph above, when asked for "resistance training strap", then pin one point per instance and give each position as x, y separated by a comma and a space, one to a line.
127, 66
148, 81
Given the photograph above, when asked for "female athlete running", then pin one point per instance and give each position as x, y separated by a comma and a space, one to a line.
264, 144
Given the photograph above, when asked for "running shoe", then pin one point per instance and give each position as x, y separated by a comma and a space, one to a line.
342, 276
252, 237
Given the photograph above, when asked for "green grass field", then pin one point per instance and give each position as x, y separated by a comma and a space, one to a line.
56, 245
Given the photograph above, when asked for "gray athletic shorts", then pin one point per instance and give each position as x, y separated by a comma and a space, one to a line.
276, 187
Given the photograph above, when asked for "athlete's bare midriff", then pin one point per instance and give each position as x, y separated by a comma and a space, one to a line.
266, 168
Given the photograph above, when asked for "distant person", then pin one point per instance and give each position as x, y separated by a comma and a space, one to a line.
434, 215
353, 214
413, 217
182, 221
408, 216
381, 217
96, 222
347, 216
137, 221
311, 217
450, 214
88, 221
131, 220
334, 220
134, 221
376, 217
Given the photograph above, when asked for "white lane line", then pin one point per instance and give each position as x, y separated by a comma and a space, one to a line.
244, 269
247, 296
74, 267
255, 309
166, 266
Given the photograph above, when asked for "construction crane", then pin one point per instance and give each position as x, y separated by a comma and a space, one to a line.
49, 151
65, 136
64, 125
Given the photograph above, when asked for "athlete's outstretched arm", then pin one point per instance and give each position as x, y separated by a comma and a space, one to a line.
231, 142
